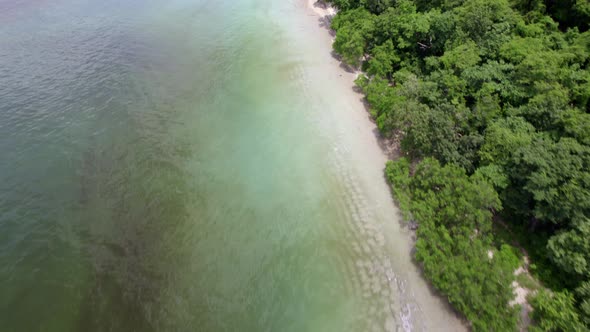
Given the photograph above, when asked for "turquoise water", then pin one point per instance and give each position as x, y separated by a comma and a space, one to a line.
166, 167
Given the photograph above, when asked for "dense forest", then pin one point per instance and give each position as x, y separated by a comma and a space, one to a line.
490, 102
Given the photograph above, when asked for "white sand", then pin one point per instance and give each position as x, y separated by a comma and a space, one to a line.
520, 294
520, 270
520, 297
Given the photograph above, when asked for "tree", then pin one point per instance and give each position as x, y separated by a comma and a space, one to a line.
377, 6
570, 13
354, 34
383, 59
503, 137
488, 23
555, 312
576, 124
570, 250
555, 179
405, 27
583, 293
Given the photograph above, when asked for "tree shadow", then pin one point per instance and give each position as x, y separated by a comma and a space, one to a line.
347, 68
325, 22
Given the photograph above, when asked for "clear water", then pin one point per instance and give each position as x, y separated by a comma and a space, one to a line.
175, 166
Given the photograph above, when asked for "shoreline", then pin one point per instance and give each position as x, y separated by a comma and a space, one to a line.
321, 8
325, 13
370, 153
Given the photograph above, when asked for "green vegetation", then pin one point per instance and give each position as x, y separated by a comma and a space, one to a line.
556, 312
527, 282
491, 98
454, 251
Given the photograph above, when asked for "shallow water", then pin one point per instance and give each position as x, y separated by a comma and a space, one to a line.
192, 165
